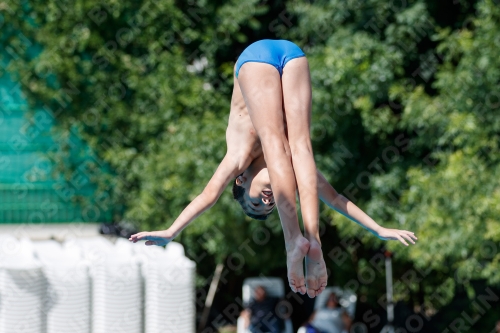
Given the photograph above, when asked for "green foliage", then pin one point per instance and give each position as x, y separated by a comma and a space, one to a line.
405, 115
454, 199
143, 83
406, 123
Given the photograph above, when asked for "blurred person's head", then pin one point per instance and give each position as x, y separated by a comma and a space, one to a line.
252, 190
498, 327
259, 294
332, 302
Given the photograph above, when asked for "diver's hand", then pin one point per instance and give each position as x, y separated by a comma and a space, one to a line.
159, 238
396, 234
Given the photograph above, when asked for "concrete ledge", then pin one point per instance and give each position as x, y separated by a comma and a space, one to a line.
56, 231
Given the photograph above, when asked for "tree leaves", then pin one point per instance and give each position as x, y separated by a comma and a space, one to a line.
405, 113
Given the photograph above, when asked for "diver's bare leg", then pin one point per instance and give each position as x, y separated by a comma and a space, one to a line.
296, 83
261, 87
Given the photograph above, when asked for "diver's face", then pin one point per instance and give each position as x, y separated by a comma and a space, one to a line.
258, 193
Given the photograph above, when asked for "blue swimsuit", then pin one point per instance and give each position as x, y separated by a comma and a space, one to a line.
273, 52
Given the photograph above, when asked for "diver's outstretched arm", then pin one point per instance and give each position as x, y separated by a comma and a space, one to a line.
344, 206
226, 171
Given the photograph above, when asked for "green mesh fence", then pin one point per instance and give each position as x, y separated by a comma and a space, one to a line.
30, 190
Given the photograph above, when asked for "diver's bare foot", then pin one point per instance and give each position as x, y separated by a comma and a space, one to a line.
159, 238
316, 275
295, 253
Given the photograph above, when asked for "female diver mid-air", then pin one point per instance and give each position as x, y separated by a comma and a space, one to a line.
269, 156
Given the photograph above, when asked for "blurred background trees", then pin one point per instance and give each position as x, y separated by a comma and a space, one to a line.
405, 123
